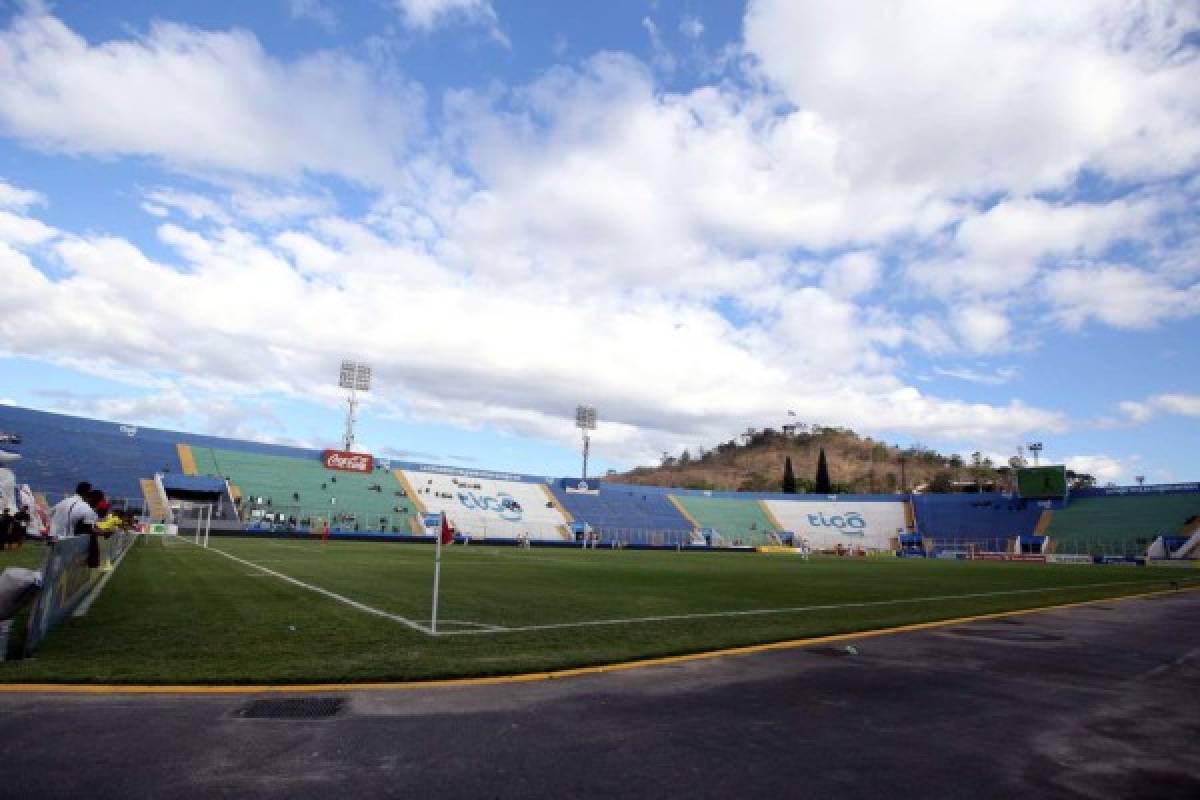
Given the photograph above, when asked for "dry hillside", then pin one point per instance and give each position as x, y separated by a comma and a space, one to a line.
856, 464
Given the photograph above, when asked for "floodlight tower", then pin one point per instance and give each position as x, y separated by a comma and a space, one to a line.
354, 377
585, 420
1036, 449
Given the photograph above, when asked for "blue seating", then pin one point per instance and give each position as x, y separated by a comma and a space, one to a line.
626, 513
985, 519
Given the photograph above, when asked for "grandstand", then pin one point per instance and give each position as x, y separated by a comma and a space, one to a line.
302, 490
273, 486
1120, 521
987, 520
738, 522
488, 505
639, 515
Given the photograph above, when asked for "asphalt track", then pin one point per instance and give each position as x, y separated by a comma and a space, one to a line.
1095, 701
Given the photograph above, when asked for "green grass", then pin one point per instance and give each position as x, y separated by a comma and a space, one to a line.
185, 615
31, 555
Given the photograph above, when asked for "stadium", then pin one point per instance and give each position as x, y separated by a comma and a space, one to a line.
539, 573
516, 398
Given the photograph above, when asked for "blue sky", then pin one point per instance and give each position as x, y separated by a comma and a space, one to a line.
962, 225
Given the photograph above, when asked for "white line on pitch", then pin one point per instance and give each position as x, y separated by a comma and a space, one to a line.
366, 609
792, 610
86, 605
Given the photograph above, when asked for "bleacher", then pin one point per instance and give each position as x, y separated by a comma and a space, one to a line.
739, 522
58, 451
1126, 523
640, 515
486, 507
303, 489
988, 520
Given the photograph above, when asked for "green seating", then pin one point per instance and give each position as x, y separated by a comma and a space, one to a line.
1121, 524
302, 488
741, 521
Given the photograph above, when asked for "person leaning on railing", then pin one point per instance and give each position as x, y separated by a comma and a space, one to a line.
73, 515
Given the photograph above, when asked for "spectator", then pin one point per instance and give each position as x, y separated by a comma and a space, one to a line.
71, 512
6, 521
20, 527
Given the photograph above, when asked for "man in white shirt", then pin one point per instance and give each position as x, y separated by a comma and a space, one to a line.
71, 511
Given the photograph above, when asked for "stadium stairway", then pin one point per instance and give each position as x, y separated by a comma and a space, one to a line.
1120, 523
153, 499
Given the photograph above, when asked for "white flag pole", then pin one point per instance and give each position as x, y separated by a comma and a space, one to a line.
437, 574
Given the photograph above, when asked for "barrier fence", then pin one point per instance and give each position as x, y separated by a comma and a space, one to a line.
67, 580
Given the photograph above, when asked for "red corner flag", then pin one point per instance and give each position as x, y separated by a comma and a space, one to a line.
447, 536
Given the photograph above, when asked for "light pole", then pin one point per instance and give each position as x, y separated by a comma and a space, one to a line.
1141, 479
585, 420
1036, 449
354, 377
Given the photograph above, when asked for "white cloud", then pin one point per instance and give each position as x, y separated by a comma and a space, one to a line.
975, 97
425, 15
997, 377
1001, 250
22, 231
194, 206
1117, 295
691, 26
1185, 404
981, 329
1137, 412
314, 11
18, 199
1105, 469
582, 233
852, 274
270, 316
202, 101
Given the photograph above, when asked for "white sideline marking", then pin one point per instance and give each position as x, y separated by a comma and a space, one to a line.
794, 609
363, 607
99, 587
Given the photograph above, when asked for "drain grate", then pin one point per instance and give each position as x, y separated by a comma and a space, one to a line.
292, 708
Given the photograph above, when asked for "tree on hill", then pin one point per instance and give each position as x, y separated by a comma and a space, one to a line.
789, 477
822, 484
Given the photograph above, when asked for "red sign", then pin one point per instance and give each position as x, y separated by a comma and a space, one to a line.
348, 462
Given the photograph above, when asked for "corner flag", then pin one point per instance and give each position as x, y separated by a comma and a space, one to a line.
447, 535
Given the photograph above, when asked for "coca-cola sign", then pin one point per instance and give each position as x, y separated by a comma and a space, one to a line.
349, 462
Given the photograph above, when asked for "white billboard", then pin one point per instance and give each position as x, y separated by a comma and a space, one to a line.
826, 524
483, 508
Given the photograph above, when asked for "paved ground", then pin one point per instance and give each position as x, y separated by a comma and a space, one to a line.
1094, 702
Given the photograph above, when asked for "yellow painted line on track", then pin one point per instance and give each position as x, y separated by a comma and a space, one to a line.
532, 677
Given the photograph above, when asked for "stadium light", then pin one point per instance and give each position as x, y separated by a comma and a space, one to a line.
354, 377
585, 420
1036, 449
1141, 479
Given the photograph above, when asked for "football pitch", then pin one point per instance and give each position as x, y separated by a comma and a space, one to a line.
297, 611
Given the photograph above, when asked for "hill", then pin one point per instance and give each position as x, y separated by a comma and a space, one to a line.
857, 464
